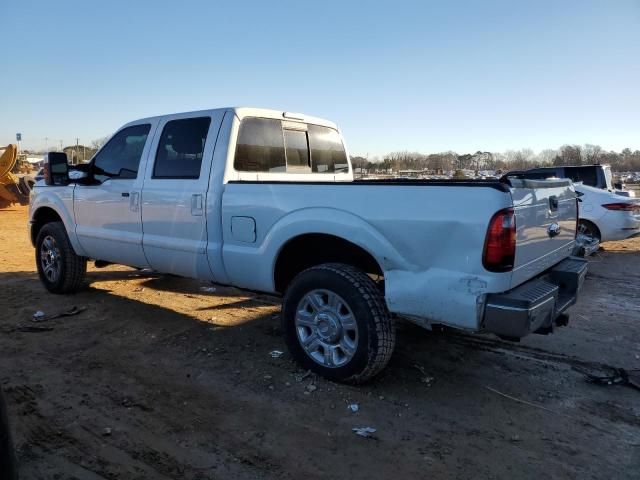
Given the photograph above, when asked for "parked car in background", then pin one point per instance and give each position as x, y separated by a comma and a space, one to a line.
596, 176
607, 216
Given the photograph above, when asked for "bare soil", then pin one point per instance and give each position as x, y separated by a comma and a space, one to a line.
160, 379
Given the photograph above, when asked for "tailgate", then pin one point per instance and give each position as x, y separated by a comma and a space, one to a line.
545, 224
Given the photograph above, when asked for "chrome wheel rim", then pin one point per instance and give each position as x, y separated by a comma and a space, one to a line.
50, 259
326, 327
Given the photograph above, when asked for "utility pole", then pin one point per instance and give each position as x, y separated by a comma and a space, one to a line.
76, 151
61, 146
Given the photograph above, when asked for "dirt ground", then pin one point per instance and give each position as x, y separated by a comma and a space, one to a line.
161, 379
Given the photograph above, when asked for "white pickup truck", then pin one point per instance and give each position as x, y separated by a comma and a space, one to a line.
265, 200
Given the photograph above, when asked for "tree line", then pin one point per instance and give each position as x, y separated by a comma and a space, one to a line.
623, 161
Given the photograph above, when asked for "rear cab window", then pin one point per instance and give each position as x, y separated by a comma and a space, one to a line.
272, 146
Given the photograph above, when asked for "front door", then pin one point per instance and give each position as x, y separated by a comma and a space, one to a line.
175, 193
107, 211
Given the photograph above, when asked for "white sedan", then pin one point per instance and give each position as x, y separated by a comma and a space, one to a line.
607, 216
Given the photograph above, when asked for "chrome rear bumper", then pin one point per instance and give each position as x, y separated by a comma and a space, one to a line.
534, 305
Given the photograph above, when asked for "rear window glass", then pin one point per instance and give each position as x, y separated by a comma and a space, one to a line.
181, 147
260, 146
264, 146
327, 152
587, 175
297, 151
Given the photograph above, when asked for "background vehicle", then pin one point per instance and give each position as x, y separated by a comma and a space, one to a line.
14, 188
607, 216
596, 176
265, 200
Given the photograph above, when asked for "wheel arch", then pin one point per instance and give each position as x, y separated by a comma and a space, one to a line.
60, 201
309, 249
593, 224
40, 218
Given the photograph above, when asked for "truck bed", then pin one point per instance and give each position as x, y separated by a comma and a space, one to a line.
428, 241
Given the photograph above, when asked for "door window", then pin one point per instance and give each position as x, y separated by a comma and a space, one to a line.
181, 147
120, 157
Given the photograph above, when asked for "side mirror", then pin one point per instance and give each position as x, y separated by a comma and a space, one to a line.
56, 169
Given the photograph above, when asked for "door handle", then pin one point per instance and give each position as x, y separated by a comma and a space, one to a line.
196, 204
134, 201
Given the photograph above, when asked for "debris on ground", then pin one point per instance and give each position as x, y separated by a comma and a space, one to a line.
354, 407
585, 245
106, 432
617, 376
22, 327
310, 388
366, 432
39, 316
300, 377
208, 289
426, 378
276, 353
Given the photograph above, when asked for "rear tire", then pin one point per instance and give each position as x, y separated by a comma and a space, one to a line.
336, 323
59, 268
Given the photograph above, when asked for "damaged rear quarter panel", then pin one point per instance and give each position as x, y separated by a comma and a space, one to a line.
442, 296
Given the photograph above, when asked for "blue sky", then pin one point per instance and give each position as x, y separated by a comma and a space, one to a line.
399, 75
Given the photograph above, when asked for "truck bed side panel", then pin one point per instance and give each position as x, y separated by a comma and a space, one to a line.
439, 230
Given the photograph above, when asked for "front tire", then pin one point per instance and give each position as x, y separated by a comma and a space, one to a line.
59, 268
336, 323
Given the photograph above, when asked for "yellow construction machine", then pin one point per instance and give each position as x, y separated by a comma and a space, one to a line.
14, 188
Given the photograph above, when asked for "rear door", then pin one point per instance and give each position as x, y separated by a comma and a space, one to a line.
546, 215
174, 194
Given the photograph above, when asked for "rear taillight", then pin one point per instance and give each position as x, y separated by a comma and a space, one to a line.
623, 207
500, 245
